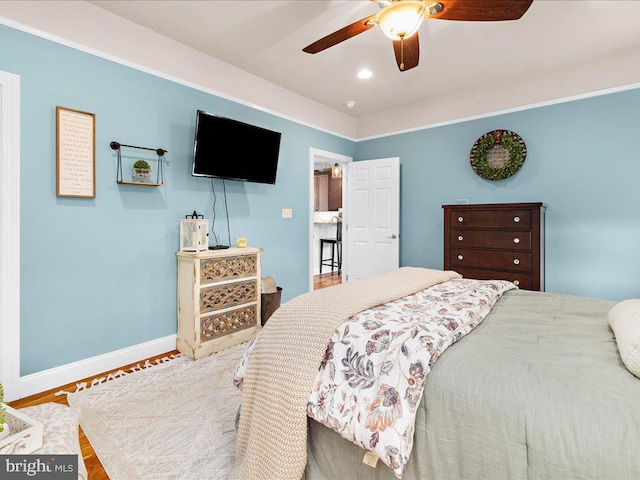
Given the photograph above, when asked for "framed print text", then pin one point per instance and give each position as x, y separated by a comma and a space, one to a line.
75, 153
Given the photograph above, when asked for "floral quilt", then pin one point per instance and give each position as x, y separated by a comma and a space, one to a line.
371, 379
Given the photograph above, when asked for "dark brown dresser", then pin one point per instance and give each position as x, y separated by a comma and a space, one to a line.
502, 241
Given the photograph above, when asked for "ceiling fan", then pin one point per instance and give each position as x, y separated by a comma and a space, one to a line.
400, 20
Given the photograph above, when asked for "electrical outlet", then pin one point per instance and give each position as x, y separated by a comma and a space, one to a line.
287, 213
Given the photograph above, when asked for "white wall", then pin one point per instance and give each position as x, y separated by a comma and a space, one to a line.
91, 29
614, 73
81, 24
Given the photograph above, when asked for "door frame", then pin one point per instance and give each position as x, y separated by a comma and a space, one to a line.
10, 234
314, 155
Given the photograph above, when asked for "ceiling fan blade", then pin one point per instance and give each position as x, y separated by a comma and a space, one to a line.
407, 52
482, 11
340, 36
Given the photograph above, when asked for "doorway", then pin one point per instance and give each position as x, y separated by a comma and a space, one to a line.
328, 214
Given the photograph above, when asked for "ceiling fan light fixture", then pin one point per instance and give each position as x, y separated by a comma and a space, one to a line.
400, 20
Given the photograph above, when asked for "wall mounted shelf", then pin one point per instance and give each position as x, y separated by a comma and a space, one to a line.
159, 171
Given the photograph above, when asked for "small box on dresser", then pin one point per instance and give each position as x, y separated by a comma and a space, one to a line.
218, 299
503, 241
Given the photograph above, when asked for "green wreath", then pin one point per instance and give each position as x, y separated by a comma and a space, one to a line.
511, 141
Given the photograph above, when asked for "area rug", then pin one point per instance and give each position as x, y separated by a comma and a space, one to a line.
174, 420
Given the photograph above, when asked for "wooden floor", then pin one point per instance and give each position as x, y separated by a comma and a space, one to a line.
94, 467
326, 280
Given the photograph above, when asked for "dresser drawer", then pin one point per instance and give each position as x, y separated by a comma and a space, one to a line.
491, 259
522, 280
227, 268
499, 239
227, 295
220, 324
517, 219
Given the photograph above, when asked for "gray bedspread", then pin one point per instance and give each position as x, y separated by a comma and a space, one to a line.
538, 391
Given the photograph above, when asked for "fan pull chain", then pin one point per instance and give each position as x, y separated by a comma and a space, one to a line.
402, 54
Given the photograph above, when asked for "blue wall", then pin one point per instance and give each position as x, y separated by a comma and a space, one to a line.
583, 161
99, 274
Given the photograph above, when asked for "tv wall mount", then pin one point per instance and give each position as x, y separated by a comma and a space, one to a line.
159, 170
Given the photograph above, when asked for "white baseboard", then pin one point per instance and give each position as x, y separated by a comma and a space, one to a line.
72, 372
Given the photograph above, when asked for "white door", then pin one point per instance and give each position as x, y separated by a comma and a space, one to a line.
373, 217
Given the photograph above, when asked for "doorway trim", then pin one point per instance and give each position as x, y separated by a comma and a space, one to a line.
10, 234
343, 160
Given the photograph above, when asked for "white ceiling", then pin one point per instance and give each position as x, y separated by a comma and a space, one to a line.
266, 39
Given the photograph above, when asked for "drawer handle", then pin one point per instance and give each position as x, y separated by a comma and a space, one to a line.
461, 219
460, 257
460, 238
516, 240
516, 282
516, 219
516, 261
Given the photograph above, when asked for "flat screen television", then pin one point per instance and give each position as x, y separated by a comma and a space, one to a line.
227, 148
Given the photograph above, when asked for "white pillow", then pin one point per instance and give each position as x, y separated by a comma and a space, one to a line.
624, 318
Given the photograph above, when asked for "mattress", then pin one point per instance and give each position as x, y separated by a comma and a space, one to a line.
537, 391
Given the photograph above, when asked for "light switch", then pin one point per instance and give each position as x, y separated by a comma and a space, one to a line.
287, 213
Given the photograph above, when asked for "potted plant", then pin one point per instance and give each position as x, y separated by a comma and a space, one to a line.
141, 170
4, 428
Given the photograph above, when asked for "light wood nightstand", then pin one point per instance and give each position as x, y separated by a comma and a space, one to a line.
218, 299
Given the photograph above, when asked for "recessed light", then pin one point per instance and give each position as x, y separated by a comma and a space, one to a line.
350, 103
364, 74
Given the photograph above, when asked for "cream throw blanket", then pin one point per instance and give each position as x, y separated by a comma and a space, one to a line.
272, 433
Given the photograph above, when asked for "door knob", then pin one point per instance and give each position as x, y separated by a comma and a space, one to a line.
392, 236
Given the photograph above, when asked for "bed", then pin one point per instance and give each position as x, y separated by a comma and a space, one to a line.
536, 391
